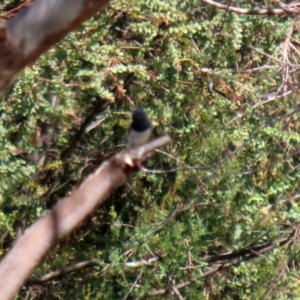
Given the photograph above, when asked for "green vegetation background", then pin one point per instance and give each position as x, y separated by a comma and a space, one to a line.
216, 83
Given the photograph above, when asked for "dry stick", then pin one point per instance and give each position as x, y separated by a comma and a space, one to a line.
87, 264
53, 275
285, 10
37, 28
45, 233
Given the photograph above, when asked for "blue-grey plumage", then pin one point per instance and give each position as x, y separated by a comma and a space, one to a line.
140, 129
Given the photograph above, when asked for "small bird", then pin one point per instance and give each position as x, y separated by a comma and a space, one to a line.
140, 129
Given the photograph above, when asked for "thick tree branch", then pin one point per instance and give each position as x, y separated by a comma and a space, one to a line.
37, 28
45, 233
286, 9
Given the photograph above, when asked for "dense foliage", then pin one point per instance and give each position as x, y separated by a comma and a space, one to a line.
218, 212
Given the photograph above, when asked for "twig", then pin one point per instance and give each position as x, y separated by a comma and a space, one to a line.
125, 297
84, 265
58, 273
175, 289
263, 11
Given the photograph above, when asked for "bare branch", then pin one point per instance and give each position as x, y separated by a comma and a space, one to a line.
164, 291
52, 275
87, 264
37, 28
286, 9
134, 284
45, 233
175, 289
